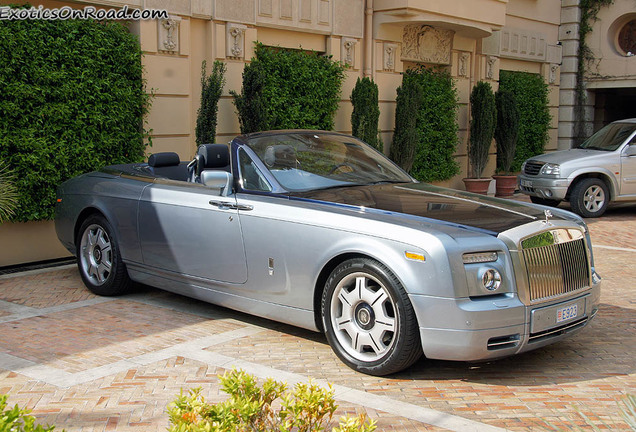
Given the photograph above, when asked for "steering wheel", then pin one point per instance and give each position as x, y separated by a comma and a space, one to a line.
342, 165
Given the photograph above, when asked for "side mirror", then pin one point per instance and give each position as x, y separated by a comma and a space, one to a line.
630, 150
221, 180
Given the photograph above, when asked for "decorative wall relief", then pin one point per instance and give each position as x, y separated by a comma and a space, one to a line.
348, 51
168, 35
553, 70
235, 40
463, 64
490, 67
389, 51
426, 44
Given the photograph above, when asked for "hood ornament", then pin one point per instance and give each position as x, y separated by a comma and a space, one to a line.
548, 215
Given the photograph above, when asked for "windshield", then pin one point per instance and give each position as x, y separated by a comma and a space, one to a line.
609, 138
307, 161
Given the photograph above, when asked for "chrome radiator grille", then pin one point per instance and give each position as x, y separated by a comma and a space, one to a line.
557, 269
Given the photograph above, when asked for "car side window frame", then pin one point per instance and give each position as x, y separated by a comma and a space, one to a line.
260, 170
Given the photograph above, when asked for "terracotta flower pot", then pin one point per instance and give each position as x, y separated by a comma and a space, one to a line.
479, 186
505, 185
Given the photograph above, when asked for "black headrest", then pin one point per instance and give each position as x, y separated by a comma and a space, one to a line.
215, 155
163, 159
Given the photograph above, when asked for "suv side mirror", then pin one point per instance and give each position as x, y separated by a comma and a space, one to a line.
221, 180
630, 150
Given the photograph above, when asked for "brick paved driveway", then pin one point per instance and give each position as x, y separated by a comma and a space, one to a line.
87, 363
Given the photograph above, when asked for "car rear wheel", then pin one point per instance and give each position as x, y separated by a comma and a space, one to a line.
99, 260
590, 197
544, 201
368, 318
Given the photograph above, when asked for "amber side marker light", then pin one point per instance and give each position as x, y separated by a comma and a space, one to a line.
59, 200
414, 256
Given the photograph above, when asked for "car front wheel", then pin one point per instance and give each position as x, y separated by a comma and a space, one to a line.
590, 197
368, 318
98, 258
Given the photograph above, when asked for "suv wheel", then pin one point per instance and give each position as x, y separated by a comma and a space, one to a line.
590, 197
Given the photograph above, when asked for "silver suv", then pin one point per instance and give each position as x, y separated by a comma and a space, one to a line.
600, 170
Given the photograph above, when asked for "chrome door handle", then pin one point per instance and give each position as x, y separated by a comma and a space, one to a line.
225, 205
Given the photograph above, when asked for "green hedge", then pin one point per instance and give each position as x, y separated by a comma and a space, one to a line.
430, 105
288, 89
72, 100
531, 93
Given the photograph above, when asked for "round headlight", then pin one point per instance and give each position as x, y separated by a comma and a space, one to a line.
491, 279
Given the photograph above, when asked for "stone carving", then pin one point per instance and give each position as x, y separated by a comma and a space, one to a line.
426, 44
490, 67
389, 56
463, 64
235, 40
553, 70
348, 52
168, 33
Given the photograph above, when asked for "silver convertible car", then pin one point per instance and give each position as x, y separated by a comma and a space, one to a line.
319, 230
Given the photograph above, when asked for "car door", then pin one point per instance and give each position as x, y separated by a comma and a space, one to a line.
628, 169
189, 229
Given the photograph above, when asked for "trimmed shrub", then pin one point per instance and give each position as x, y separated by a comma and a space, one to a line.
406, 135
72, 100
531, 93
482, 126
252, 408
288, 89
507, 130
366, 112
211, 90
428, 104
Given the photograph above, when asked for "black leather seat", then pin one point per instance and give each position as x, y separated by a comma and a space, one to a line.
210, 157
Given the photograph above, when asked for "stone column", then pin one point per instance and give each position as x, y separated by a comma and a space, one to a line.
569, 37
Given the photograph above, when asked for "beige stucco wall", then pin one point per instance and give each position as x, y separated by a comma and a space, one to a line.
612, 67
202, 30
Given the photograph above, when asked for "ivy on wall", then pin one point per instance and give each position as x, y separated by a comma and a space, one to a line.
589, 11
72, 100
425, 117
288, 89
530, 91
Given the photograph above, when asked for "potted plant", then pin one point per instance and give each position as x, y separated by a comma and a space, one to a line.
482, 129
506, 134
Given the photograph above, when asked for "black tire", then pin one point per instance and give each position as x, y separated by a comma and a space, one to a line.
98, 258
545, 201
382, 336
590, 197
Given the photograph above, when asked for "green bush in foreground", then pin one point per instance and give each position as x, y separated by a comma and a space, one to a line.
18, 420
307, 408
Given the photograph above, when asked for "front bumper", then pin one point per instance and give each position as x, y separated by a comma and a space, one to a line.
482, 329
549, 188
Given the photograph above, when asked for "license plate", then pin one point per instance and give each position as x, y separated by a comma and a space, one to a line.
526, 183
566, 313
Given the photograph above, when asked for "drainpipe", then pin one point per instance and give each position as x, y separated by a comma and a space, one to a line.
368, 39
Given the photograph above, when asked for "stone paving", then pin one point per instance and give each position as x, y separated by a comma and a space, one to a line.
86, 363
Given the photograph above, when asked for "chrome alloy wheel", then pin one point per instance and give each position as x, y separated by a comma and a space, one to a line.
594, 198
96, 254
363, 316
